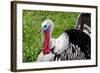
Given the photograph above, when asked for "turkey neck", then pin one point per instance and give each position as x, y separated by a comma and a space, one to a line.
46, 42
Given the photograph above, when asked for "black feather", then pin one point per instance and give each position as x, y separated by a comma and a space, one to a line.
81, 39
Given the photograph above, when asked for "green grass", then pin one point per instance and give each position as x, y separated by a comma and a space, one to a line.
32, 26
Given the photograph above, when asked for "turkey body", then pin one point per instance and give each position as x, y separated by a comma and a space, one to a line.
79, 46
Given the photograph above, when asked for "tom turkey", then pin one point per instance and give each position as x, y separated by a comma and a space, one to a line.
72, 44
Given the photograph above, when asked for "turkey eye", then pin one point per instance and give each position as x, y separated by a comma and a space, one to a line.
45, 26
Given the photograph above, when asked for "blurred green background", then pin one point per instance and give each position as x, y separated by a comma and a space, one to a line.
32, 20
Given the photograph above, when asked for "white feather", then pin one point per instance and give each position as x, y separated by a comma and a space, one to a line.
61, 43
44, 58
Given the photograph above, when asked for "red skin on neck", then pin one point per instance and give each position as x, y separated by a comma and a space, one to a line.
46, 49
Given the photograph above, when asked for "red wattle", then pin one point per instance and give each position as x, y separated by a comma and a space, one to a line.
46, 48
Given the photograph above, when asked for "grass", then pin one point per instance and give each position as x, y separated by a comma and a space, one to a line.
32, 26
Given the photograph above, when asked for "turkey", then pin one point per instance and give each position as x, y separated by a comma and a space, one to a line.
72, 44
